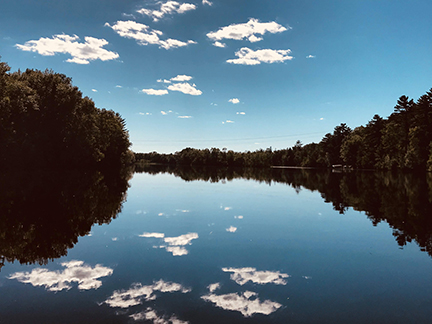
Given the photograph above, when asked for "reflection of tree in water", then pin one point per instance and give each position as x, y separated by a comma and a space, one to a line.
403, 200
43, 213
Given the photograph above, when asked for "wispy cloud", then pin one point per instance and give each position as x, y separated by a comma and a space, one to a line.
176, 245
243, 275
163, 81
185, 88
145, 114
151, 316
118, 86
139, 293
228, 122
82, 53
246, 303
248, 31
155, 235
181, 78
144, 35
154, 92
76, 271
206, 2
310, 56
165, 113
240, 113
167, 8
184, 117
94, 90
246, 56
234, 100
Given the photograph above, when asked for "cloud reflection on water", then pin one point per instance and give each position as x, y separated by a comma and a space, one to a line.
151, 315
175, 244
246, 303
139, 293
243, 275
76, 271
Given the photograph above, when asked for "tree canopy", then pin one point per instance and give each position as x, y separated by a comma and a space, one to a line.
45, 121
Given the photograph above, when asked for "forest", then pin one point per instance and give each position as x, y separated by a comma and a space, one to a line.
46, 122
403, 141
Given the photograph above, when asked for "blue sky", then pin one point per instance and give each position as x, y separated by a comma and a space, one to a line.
243, 74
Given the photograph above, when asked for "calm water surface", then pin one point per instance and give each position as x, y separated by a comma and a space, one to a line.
238, 251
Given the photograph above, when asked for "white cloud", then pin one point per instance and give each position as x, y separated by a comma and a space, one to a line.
119, 86
94, 90
246, 56
151, 315
181, 240
238, 217
75, 271
322, 118
185, 88
175, 244
206, 2
181, 78
240, 113
243, 275
155, 235
247, 303
231, 229
176, 250
115, 239
145, 114
219, 44
248, 31
138, 293
310, 56
234, 100
167, 8
82, 53
155, 92
227, 208
228, 122
144, 35
213, 287
164, 81
184, 117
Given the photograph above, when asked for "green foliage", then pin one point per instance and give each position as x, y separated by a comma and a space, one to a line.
45, 122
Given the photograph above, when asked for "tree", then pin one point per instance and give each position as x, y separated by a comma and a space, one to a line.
46, 122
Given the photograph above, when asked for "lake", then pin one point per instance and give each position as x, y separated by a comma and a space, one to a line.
216, 246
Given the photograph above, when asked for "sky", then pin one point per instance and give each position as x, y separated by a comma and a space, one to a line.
236, 74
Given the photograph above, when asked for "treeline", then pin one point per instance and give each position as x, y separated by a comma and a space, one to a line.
46, 122
403, 200
402, 141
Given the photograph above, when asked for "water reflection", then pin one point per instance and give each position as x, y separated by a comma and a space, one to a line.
243, 275
402, 200
76, 271
247, 303
139, 293
43, 213
175, 244
151, 315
